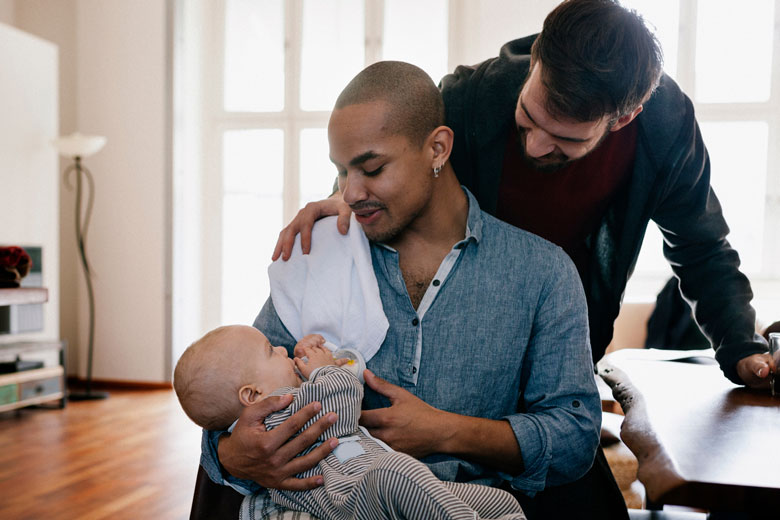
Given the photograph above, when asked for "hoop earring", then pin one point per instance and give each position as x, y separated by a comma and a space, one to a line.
436, 171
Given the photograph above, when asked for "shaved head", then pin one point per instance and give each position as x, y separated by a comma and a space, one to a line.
416, 105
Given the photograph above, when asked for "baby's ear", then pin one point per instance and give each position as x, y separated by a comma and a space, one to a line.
249, 395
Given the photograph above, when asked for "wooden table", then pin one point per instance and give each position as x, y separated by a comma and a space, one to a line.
700, 440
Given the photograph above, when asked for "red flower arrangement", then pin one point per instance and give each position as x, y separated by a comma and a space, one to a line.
15, 263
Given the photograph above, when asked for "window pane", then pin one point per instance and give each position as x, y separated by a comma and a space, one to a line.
333, 50
738, 155
664, 19
252, 162
651, 270
651, 259
416, 32
317, 172
254, 55
251, 218
734, 51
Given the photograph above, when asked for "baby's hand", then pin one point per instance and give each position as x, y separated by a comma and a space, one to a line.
316, 356
311, 340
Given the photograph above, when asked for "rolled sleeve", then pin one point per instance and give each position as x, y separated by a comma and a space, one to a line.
558, 426
536, 452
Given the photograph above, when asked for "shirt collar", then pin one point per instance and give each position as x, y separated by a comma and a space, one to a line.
474, 219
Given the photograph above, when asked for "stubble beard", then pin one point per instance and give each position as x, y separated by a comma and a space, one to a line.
561, 161
386, 236
542, 166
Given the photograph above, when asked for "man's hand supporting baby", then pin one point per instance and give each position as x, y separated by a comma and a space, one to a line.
271, 458
416, 428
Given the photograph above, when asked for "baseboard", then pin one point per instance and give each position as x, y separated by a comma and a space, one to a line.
112, 384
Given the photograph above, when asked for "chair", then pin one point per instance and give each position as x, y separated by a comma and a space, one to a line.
212, 501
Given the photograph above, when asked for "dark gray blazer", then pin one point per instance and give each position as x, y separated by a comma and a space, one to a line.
670, 185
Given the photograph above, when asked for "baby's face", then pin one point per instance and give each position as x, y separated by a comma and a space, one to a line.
270, 366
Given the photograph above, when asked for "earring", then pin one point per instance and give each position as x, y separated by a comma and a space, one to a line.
436, 171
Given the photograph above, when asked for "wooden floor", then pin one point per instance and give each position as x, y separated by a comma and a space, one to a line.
133, 455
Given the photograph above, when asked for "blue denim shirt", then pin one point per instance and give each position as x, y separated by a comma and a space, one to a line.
501, 333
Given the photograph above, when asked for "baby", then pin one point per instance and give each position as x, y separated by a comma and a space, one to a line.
236, 366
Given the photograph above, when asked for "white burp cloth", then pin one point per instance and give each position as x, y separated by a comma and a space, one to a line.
332, 291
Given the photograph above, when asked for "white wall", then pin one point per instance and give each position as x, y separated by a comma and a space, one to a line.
55, 21
29, 202
114, 82
122, 90
492, 23
8, 12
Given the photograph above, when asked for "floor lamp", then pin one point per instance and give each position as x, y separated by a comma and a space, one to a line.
76, 147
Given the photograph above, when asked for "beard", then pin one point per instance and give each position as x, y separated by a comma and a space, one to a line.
549, 163
553, 161
387, 234
383, 236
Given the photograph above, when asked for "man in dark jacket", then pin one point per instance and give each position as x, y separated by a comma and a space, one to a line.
576, 135
640, 161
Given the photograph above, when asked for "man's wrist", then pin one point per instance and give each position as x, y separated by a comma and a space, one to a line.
447, 439
244, 485
487, 441
232, 477
224, 447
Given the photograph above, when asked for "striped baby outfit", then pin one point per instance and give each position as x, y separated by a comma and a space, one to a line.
363, 480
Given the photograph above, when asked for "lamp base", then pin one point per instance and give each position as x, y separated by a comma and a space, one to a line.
89, 395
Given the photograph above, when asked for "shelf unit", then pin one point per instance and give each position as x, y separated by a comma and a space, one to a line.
22, 295
40, 385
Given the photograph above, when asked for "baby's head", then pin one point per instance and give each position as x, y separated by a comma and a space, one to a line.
227, 369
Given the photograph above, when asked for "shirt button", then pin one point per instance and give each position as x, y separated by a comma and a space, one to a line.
415, 322
436, 283
414, 370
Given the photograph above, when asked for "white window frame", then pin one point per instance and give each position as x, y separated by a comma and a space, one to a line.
768, 111
766, 283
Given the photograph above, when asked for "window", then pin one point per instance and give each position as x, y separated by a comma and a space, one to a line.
734, 84
282, 64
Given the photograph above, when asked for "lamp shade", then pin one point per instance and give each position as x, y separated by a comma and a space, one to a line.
78, 145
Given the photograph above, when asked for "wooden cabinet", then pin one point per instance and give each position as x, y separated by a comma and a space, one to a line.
29, 387
39, 385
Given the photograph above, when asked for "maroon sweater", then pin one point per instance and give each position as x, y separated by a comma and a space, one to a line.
565, 206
